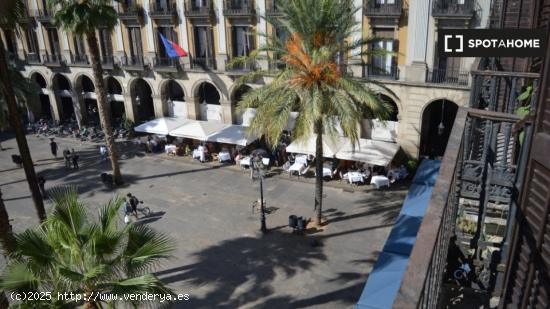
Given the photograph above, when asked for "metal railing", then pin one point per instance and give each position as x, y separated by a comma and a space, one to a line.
108, 62
451, 77
203, 63
52, 59
390, 72
245, 66
271, 8
238, 7
373, 8
130, 12
43, 15
423, 282
165, 63
80, 59
453, 8
33, 58
192, 10
132, 62
159, 11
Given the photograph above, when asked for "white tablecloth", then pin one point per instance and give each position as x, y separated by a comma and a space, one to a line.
327, 172
380, 181
296, 167
245, 161
196, 154
301, 159
224, 156
354, 177
265, 161
170, 148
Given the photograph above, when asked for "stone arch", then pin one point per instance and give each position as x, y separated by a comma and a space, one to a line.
85, 89
64, 91
437, 119
173, 98
44, 110
34, 75
61, 82
195, 88
209, 101
132, 82
165, 83
116, 101
142, 95
81, 78
118, 80
236, 95
395, 113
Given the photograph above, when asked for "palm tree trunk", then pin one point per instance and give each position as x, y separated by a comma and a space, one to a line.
102, 104
7, 242
319, 172
15, 120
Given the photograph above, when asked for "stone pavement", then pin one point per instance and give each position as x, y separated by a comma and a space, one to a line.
221, 259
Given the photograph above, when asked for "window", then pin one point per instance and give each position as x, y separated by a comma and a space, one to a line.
384, 64
199, 3
203, 42
11, 45
32, 42
242, 41
169, 34
134, 35
78, 45
54, 42
105, 43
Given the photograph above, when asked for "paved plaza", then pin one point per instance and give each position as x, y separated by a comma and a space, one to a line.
222, 260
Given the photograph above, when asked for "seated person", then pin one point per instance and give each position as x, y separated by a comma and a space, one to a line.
238, 158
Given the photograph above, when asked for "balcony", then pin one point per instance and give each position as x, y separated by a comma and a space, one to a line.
167, 14
473, 200
53, 60
25, 17
133, 63
33, 58
388, 73
194, 11
374, 9
132, 15
449, 77
238, 8
240, 68
43, 16
203, 64
453, 9
108, 63
166, 65
80, 60
272, 10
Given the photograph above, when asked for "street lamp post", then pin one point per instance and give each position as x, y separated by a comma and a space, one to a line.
259, 168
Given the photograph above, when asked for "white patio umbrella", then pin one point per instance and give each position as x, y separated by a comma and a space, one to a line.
232, 134
161, 126
331, 145
368, 151
197, 129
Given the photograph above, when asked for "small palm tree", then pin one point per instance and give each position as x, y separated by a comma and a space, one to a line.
83, 18
313, 81
9, 14
71, 253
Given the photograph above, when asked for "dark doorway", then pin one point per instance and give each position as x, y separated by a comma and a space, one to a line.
144, 101
45, 108
117, 107
437, 123
208, 94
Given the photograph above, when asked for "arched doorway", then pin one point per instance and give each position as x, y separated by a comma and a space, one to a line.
236, 98
209, 99
44, 99
86, 87
62, 87
142, 94
174, 99
114, 94
394, 113
384, 130
437, 122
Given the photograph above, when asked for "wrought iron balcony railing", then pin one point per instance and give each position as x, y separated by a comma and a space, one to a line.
453, 8
388, 72
239, 67
236, 8
271, 8
376, 9
132, 63
33, 58
43, 15
132, 14
25, 17
53, 60
203, 64
108, 62
192, 10
451, 77
166, 12
166, 64
79, 59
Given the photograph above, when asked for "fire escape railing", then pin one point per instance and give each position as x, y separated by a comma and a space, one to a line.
426, 273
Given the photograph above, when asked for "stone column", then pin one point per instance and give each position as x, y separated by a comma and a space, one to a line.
182, 31
65, 50
419, 14
79, 108
227, 111
261, 27
119, 46
129, 107
151, 53
193, 108
354, 61
39, 34
221, 57
159, 106
55, 105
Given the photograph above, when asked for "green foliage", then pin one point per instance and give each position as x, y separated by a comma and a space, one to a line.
526, 94
127, 124
412, 165
82, 17
24, 89
70, 252
467, 226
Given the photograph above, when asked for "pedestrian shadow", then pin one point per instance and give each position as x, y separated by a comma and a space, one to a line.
152, 217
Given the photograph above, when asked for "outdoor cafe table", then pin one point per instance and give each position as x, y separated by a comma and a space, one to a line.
224, 156
245, 161
170, 149
296, 167
354, 177
380, 181
327, 172
196, 154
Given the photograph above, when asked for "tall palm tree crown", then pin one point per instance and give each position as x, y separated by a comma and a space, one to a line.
313, 81
71, 253
83, 18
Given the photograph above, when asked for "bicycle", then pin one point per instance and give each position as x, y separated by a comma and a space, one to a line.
461, 273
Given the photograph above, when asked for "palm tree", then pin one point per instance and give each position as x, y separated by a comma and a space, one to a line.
7, 243
71, 253
313, 81
8, 16
84, 17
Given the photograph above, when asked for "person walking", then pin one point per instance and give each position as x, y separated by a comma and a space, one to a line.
103, 152
133, 203
53, 147
41, 185
67, 158
74, 157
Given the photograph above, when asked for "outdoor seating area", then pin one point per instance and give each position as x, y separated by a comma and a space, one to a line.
368, 162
